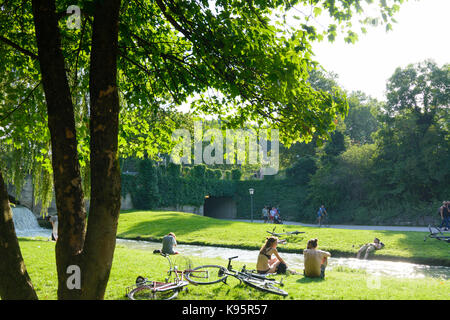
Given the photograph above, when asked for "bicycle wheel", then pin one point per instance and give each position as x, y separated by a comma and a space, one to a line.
207, 274
182, 262
263, 286
146, 292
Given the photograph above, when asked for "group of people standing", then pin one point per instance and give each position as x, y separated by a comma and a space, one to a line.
271, 214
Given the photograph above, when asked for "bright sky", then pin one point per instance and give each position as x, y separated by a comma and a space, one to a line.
422, 32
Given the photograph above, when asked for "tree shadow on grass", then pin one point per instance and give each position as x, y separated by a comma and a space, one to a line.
180, 224
309, 280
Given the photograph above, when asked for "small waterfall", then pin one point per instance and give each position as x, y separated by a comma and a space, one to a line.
26, 224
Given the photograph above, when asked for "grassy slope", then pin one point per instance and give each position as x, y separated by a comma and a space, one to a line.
340, 283
194, 229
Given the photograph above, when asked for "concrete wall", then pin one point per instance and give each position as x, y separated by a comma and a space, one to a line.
27, 199
189, 209
126, 203
220, 207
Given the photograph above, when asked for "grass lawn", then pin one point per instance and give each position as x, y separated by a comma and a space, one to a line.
340, 283
194, 229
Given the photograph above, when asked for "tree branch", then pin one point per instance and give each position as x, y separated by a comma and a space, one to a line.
172, 21
21, 103
19, 48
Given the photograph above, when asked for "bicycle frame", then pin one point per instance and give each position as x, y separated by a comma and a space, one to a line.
246, 273
289, 233
435, 235
155, 286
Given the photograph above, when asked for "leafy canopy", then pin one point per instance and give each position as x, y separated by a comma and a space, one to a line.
229, 57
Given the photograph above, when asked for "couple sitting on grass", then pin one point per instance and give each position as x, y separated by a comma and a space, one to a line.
315, 260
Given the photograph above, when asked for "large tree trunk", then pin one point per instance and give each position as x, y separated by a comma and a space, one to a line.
91, 250
61, 123
15, 284
105, 174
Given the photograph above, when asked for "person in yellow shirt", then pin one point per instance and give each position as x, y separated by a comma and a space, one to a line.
315, 260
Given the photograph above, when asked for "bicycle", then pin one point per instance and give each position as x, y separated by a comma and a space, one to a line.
437, 235
284, 233
145, 289
324, 221
210, 274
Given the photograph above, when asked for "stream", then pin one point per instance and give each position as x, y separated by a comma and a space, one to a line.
27, 226
295, 261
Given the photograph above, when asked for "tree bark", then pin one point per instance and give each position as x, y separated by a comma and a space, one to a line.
91, 250
61, 123
15, 284
104, 129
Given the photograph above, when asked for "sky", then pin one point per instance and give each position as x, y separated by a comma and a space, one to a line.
422, 32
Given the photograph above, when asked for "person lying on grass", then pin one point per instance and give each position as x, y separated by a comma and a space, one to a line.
369, 247
267, 264
315, 260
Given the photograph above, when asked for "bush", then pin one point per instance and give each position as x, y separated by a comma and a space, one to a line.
146, 191
236, 174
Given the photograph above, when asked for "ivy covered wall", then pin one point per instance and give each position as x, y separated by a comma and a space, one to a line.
164, 186
154, 186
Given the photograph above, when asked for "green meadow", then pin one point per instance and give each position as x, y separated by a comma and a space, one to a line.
339, 283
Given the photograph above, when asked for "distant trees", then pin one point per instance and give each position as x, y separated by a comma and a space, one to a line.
413, 144
399, 151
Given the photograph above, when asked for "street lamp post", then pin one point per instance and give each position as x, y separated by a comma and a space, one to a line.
251, 191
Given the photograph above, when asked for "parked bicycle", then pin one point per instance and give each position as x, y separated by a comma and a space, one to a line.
175, 282
439, 235
289, 233
324, 222
210, 274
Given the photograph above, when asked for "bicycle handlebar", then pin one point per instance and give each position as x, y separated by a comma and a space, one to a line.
229, 262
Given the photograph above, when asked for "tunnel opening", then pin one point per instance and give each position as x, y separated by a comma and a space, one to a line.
220, 208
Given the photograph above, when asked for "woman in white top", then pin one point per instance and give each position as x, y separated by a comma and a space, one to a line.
54, 221
265, 263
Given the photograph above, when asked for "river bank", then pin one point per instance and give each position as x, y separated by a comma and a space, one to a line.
341, 282
198, 230
295, 260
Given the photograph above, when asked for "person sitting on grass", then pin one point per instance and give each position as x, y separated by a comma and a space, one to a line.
369, 247
265, 263
168, 243
315, 260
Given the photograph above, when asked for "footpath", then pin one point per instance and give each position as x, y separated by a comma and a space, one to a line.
340, 226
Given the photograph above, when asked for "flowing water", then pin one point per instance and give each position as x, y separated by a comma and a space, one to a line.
295, 261
26, 224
